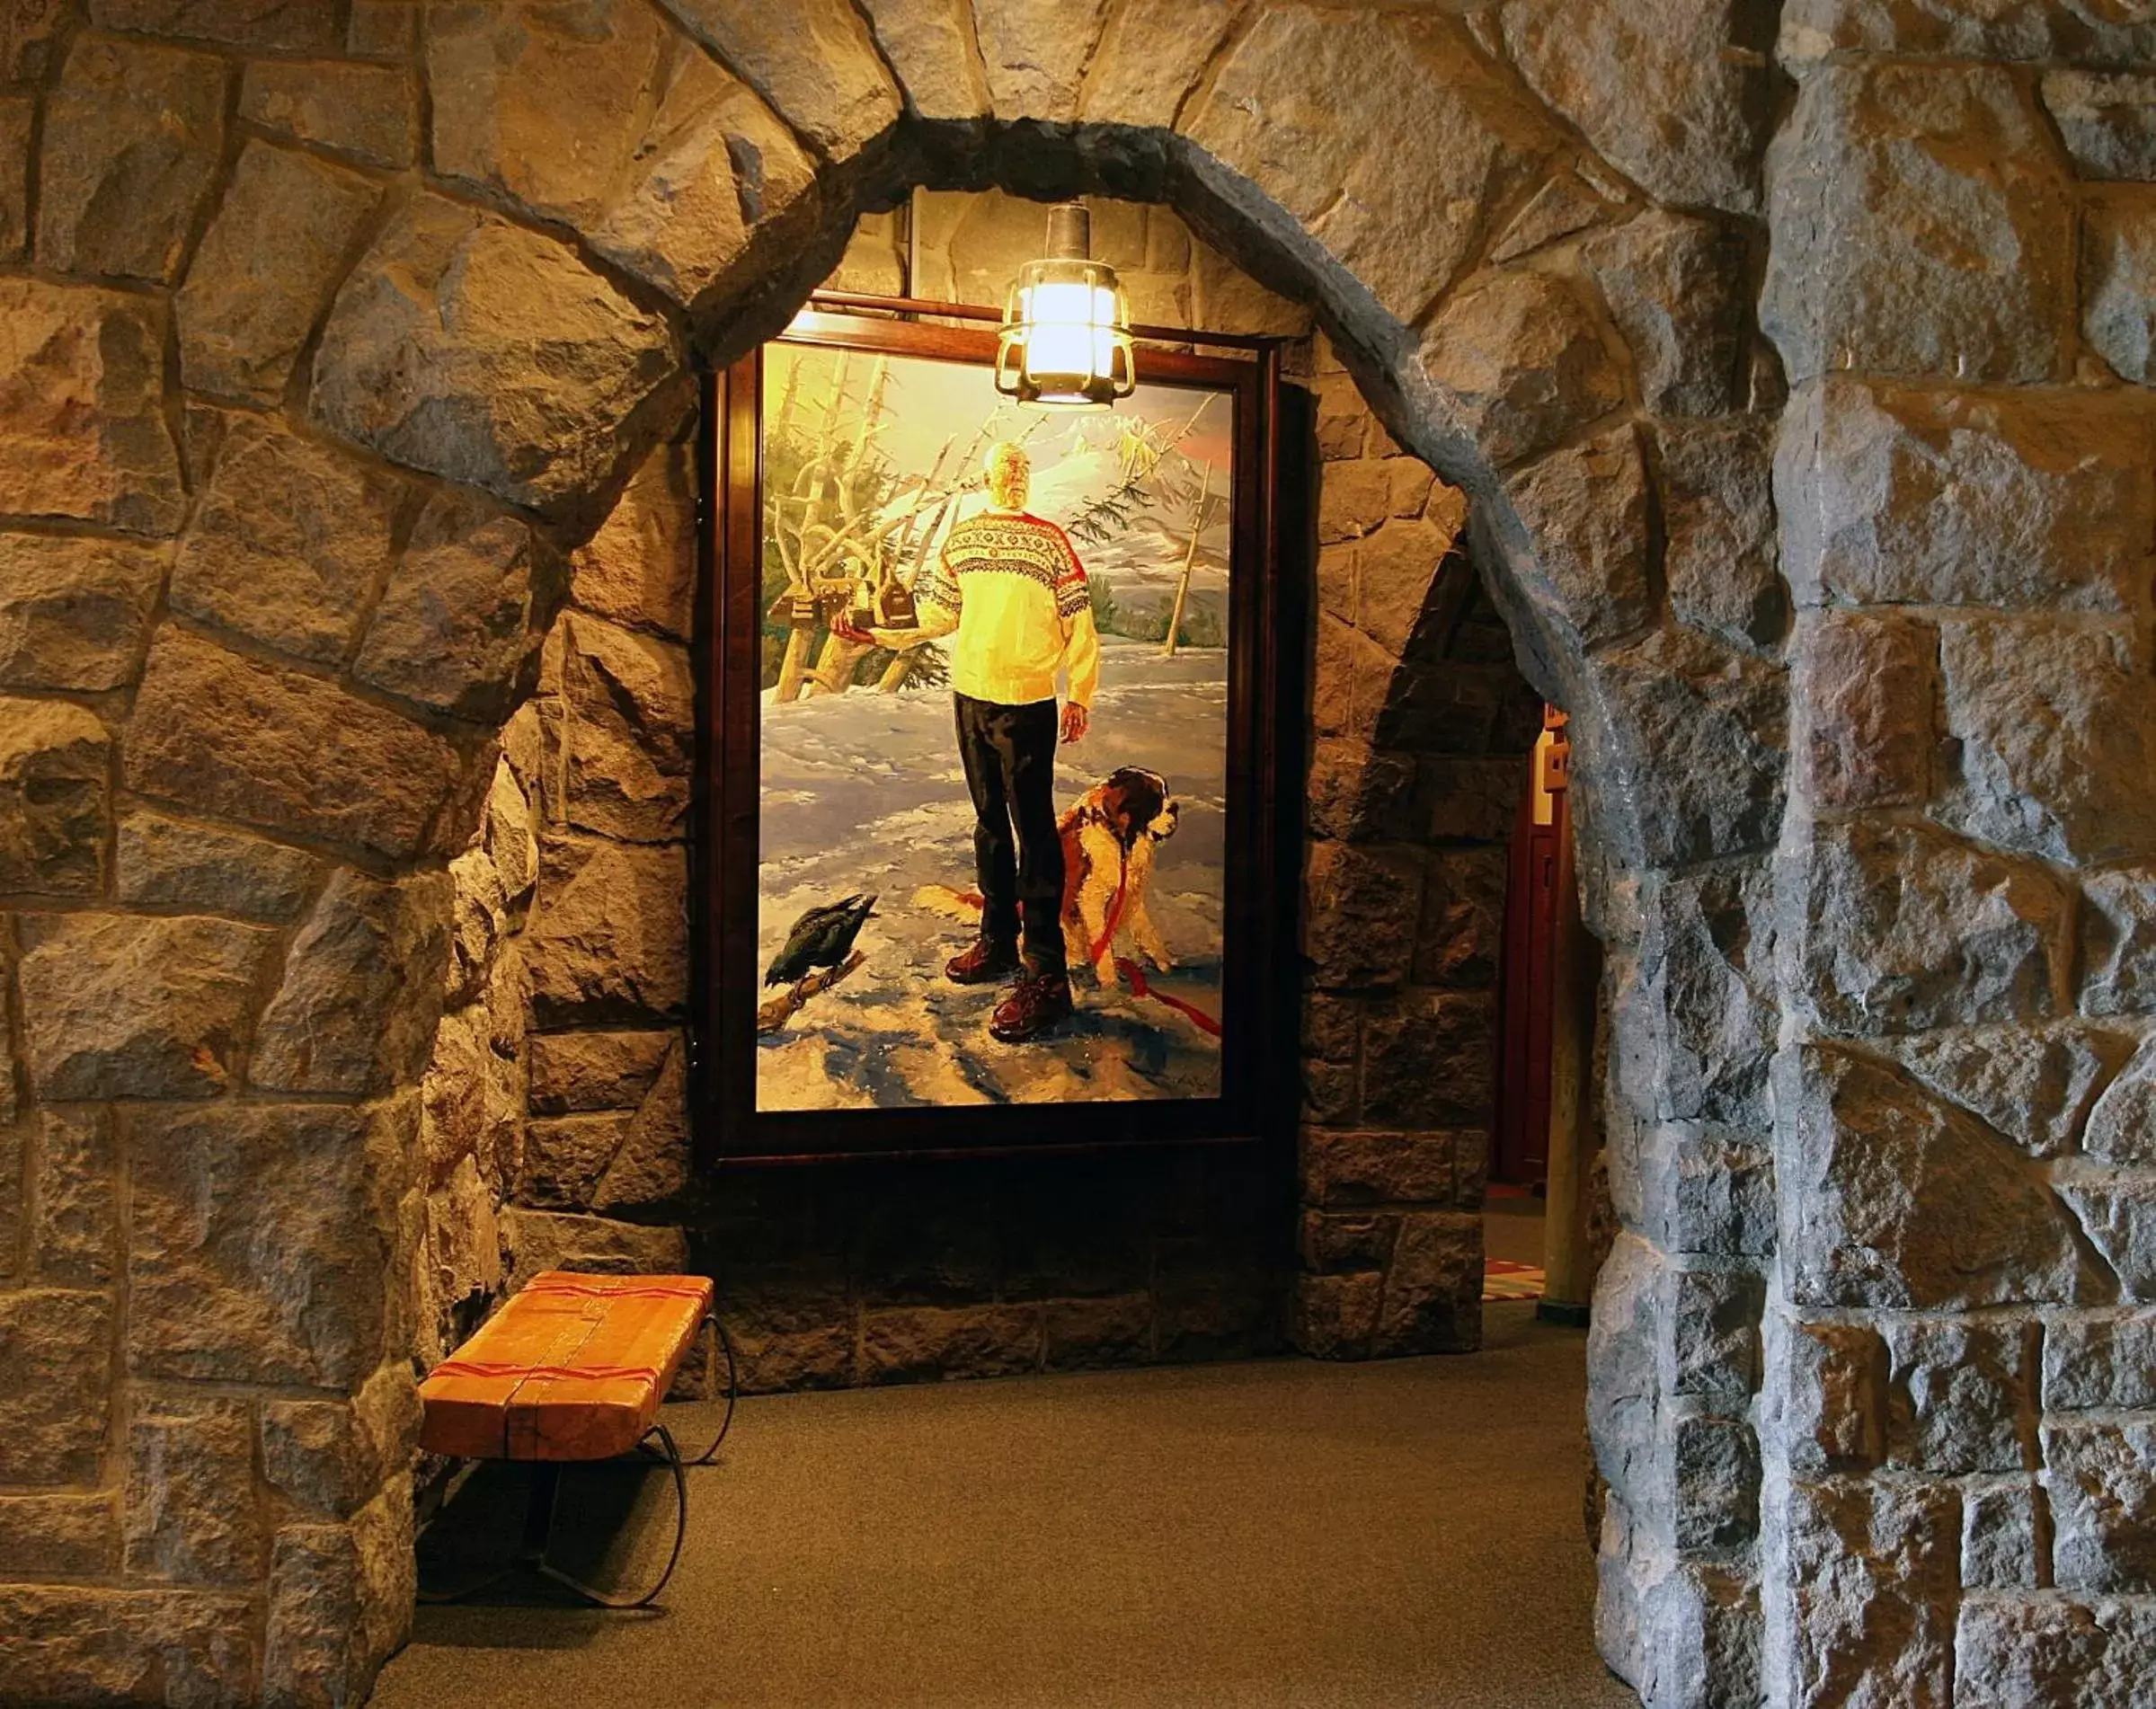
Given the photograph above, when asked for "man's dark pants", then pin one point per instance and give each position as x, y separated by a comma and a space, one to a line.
1009, 754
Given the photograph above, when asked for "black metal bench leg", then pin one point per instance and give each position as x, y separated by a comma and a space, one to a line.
598, 1599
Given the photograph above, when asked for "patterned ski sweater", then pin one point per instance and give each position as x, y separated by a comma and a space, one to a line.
1014, 591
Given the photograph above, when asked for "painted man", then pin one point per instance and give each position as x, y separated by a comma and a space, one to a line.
1012, 592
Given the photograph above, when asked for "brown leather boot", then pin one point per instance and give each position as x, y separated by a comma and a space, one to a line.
985, 963
1040, 1001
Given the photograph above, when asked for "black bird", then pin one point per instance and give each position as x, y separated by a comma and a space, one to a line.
823, 937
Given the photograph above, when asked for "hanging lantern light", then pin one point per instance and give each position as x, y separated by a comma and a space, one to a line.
1065, 340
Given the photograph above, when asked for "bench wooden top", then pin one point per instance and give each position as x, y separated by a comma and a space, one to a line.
571, 1367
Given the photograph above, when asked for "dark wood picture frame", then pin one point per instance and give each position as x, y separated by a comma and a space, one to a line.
1260, 868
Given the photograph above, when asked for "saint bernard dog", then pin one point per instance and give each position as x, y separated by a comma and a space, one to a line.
1109, 839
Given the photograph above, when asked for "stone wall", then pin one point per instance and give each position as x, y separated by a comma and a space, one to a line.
325, 337
555, 1112
1959, 1332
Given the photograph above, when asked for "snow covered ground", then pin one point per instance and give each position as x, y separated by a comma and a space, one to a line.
865, 793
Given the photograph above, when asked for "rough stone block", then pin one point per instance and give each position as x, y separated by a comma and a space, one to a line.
640, 567
459, 625
1429, 1061
1676, 286
2118, 1215
1702, 1638
83, 372
1402, 599
2118, 270
1624, 1335
1335, 1316
1087, 1334
1700, 733
2102, 1479
1865, 1560
1714, 1482
1403, 220
356, 1008
233, 737
1904, 929
1713, 1350
1716, 1193
1704, 1004
487, 354
2101, 1363
1361, 910
1957, 1397
192, 1513
2050, 737
1924, 227
571, 1071
27, 34
261, 1234
1865, 687
627, 731
54, 771
339, 1601
1833, 1396
609, 939
1890, 496
371, 112
16, 112
536, 1240
2004, 1533
288, 545
1520, 364
67, 1537
1034, 53
2118, 942
930, 45
716, 166
500, 77
1351, 1168
83, 1642
1584, 509
125, 1006
2011, 1652
2106, 120
265, 269
1151, 55
2033, 1084
823, 72
74, 612
1694, 106
1469, 799
197, 869
132, 134
274, 26
75, 1241
925, 1343
1721, 558
1458, 942
1433, 1300
1892, 1199
56, 1385
2049, 29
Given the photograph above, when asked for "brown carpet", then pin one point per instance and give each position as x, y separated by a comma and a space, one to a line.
1283, 1533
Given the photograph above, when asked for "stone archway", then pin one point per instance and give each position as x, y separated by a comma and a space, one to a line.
383, 443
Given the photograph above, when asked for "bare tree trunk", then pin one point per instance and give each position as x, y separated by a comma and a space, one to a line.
1190, 556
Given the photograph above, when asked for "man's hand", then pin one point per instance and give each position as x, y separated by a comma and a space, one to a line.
1076, 723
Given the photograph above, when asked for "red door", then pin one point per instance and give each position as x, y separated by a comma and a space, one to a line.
1526, 975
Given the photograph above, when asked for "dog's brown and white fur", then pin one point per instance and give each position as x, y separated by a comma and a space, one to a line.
1109, 839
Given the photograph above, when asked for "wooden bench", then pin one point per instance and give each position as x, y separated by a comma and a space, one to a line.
573, 1368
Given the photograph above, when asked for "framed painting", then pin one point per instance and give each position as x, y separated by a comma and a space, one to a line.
992, 852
